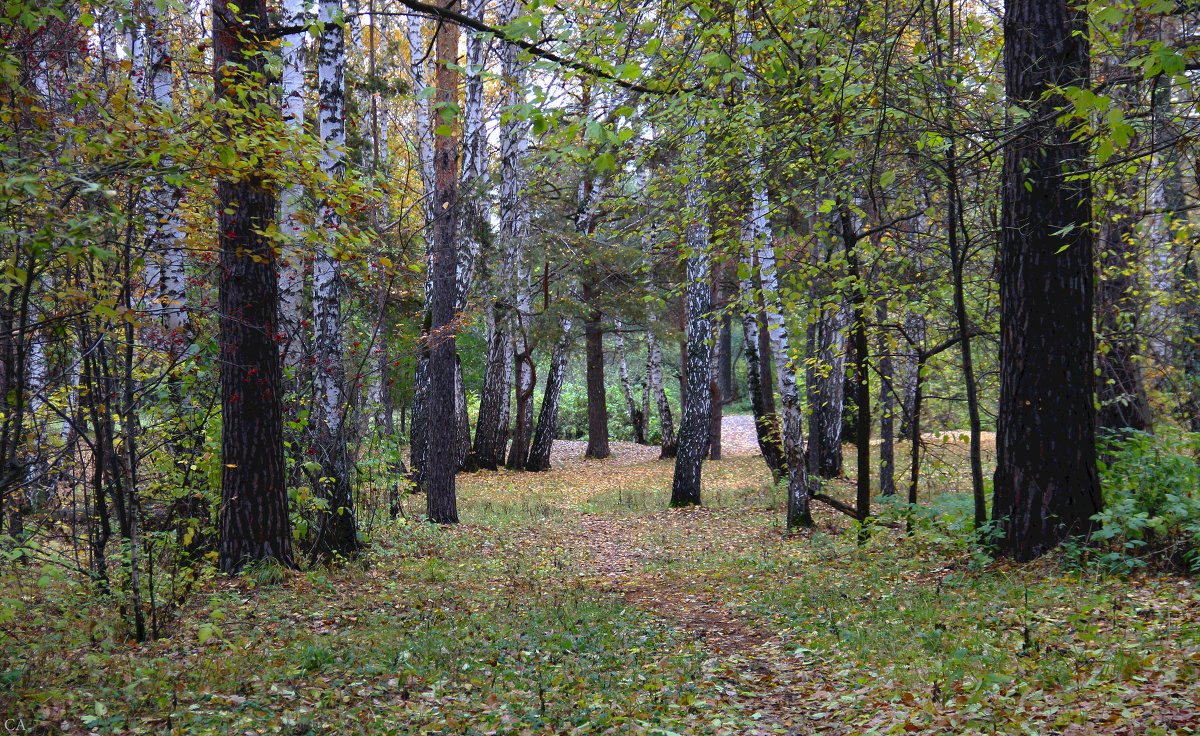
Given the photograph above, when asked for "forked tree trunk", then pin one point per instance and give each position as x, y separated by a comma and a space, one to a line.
1046, 483
254, 510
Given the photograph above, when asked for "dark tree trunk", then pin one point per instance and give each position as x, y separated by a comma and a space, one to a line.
858, 302
547, 426
254, 510
726, 358
597, 399
887, 408
1046, 484
487, 451
442, 424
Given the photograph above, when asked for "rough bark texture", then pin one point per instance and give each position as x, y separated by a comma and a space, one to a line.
547, 426
597, 397
798, 512
254, 510
862, 376
291, 268
887, 407
336, 532
694, 427
488, 450
1046, 485
441, 462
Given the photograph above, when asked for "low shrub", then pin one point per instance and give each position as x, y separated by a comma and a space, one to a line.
1151, 510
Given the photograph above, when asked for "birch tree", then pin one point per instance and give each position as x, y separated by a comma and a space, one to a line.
696, 422
336, 533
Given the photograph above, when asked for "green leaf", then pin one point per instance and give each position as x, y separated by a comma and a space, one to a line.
605, 162
887, 178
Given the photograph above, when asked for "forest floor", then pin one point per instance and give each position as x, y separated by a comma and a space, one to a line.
574, 601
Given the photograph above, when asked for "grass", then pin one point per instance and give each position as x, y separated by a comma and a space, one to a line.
574, 602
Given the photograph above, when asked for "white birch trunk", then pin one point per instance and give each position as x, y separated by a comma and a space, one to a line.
418, 64
291, 268
473, 179
164, 228
798, 513
697, 411
514, 232
337, 533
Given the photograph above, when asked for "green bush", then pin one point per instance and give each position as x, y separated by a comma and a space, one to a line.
1151, 500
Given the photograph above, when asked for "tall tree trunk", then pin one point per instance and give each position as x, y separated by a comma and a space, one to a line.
442, 430
958, 263
291, 273
547, 426
254, 511
597, 396
1046, 483
514, 234
666, 423
726, 357
336, 532
862, 354
473, 227
423, 146
887, 407
697, 415
798, 512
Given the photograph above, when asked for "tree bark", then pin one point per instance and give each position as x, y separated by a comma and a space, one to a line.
291, 273
858, 301
488, 449
766, 425
1046, 484
254, 511
547, 426
825, 421
597, 398
440, 500
887, 407
697, 419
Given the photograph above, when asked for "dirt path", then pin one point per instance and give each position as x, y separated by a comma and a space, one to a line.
760, 677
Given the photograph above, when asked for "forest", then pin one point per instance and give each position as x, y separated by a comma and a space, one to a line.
599, 366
